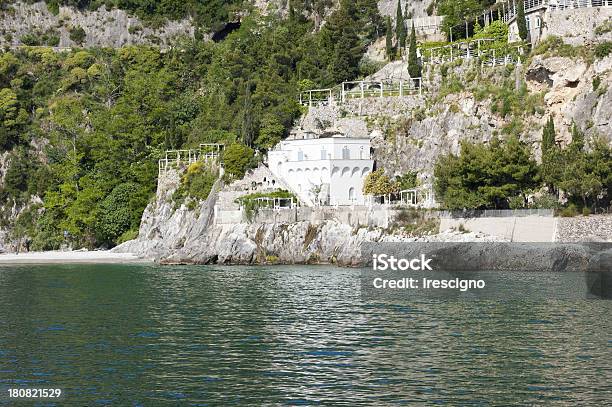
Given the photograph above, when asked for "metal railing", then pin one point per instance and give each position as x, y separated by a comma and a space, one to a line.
555, 5
361, 90
509, 8
459, 50
183, 158
369, 89
275, 203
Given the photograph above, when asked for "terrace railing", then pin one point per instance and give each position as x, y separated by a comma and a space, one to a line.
559, 5
276, 203
509, 8
459, 50
361, 90
380, 89
175, 159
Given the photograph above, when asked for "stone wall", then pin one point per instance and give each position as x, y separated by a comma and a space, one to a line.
595, 228
354, 216
103, 28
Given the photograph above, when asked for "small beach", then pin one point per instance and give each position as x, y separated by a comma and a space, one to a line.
71, 257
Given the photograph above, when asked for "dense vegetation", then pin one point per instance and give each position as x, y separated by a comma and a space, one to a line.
82, 128
502, 175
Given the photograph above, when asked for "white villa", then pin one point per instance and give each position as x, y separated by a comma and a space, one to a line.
323, 170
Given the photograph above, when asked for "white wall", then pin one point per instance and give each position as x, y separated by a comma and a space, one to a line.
536, 229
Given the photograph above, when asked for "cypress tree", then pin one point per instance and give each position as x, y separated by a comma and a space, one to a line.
548, 137
577, 143
414, 69
520, 20
400, 27
389, 39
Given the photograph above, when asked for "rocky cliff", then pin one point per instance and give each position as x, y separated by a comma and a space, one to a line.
171, 234
102, 28
466, 101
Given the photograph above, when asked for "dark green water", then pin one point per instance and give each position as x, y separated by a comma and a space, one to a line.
144, 335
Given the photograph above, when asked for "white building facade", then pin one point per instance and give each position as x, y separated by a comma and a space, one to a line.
324, 171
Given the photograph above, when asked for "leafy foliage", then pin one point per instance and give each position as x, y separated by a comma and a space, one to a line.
251, 205
82, 123
196, 183
238, 158
485, 176
377, 183
497, 30
408, 180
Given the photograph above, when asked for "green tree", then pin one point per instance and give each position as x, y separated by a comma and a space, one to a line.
378, 183
485, 176
521, 22
389, 40
271, 132
414, 68
237, 159
549, 136
400, 27
116, 214
408, 180
248, 125
455, 13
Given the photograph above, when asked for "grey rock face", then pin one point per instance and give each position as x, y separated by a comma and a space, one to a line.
103, 28
164, 228
578, 26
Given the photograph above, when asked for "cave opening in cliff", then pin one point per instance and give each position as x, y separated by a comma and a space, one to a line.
229, 28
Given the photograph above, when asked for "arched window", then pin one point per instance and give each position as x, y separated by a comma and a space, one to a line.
361, 153
351, 194
300, 155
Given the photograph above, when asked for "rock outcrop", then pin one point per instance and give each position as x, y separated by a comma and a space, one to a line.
103, 28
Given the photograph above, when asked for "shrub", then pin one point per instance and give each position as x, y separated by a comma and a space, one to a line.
116, 214
603, 50
569, 212
546, 201
463, 229
238, 159
127, 236
377, 183
196, 183
53, 7
604, 28
77, 34
596, 83
586, 211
